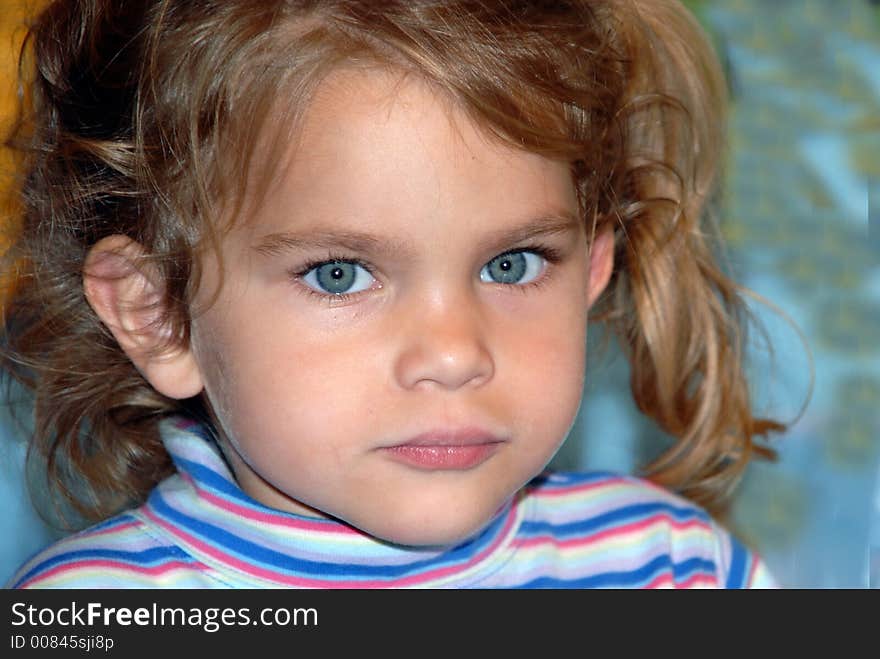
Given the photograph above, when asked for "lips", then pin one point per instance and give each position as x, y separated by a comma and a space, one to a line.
446, 449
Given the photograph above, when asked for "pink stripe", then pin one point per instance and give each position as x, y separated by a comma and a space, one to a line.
276, 519
698, 580
106, 564
213, 552
116, 528
301, 582
666, 580
633, 527
752, 571
182, 423
549, 490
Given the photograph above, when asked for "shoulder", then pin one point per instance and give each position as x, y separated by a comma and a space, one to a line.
654, 536
121, 552
606, 497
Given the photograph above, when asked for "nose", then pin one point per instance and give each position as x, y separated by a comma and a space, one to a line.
443, 344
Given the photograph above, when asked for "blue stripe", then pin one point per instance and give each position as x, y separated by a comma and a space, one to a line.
146, 558
634, 578
739, 560
251, 552
615, 517
206, 476
121, 519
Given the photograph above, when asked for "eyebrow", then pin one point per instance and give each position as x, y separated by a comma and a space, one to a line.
274, 244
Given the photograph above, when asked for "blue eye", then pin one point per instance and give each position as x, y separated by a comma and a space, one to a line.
338, 278
520, 267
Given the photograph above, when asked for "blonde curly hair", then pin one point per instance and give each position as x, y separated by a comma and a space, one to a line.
133, 102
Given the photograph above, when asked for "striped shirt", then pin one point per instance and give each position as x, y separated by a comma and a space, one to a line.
198, 529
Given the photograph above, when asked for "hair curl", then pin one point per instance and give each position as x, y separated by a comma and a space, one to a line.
133, 104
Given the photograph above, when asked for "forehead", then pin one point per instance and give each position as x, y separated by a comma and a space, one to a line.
375, 146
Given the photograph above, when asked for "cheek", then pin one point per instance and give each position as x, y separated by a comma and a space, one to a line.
282, 378
549, 360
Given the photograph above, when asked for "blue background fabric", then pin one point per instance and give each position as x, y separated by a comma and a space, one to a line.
802, 220
802, 180
22, 530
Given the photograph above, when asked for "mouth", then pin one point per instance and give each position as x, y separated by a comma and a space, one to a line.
456, 450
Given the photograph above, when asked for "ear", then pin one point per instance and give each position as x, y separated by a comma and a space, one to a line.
601, 263
127, 294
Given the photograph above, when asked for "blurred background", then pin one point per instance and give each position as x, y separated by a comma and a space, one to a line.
802, 180
804, 161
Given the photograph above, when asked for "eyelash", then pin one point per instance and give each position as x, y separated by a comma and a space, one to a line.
550, 254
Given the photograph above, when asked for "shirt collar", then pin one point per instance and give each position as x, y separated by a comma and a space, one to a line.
206, 513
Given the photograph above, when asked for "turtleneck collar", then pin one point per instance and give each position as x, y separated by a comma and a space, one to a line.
207, 515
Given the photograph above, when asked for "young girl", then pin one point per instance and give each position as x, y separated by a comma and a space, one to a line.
302, 292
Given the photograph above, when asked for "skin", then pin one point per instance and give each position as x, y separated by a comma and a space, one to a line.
309, 389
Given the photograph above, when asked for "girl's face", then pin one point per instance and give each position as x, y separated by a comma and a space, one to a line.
399, 341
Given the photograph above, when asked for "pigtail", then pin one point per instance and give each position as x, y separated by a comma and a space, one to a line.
145, 119
680, 319
135, 110
94, 418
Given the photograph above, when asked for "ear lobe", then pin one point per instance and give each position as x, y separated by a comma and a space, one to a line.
128, 296
601, 263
